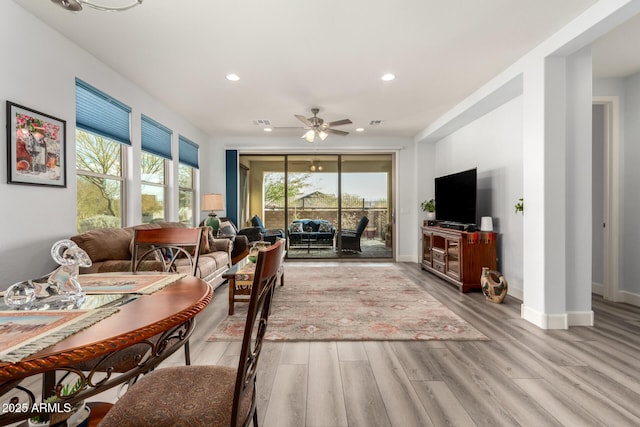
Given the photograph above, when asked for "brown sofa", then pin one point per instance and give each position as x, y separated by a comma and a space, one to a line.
110, 251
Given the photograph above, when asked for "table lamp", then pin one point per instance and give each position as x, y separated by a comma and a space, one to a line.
213, 203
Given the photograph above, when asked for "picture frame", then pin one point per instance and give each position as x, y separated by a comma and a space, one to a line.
36, 147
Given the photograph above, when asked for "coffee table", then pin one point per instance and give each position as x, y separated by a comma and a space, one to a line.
240, 278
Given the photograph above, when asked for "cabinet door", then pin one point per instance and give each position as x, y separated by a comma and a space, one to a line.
427, 245
453, 258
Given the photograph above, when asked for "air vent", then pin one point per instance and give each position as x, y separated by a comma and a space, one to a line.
375, 122
262, 122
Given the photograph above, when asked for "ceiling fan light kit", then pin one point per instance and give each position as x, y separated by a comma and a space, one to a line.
317, 127
109, 6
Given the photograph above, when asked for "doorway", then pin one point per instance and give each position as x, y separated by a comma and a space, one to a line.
606, 199
330, 206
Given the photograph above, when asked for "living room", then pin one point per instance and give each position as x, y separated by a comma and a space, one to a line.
527, 129
494, 135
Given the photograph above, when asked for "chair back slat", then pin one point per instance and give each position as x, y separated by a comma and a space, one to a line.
167, 244
266, 274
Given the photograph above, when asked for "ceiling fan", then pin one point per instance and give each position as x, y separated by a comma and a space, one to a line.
317, 126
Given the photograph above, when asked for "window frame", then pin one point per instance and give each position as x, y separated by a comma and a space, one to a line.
164, 185
122, 178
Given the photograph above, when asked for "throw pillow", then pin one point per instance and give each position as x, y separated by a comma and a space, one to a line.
227, 229
325, 227
257, 222
296, 227
308, 229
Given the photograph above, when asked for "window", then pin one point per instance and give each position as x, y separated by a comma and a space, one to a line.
153, 188
156, 149
188, 158
100, 181
186, 194
102, 132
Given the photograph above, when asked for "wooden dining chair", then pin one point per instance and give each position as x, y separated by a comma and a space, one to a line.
212, 396
173, 249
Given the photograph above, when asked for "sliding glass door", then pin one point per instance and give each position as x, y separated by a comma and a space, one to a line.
329, 205
313, 200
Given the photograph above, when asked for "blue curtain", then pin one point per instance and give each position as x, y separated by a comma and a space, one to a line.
99, 113
187, 152
231, 166
156, 138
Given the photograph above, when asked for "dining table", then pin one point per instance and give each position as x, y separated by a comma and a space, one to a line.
158, 322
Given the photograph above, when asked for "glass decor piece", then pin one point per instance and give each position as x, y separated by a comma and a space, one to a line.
20, 295
64, 280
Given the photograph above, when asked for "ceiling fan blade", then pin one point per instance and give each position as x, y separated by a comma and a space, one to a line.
341, 122
304, 120
336, 132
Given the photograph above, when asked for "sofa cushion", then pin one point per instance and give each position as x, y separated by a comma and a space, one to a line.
227, 228
325, 227
296, 227
106, 243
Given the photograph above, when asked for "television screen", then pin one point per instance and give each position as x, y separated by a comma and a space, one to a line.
456, 197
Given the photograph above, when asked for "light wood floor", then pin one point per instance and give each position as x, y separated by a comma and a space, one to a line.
585, 376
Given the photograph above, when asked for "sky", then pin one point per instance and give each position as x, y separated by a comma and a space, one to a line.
371, 186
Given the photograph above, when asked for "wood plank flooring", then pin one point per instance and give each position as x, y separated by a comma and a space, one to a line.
523, 376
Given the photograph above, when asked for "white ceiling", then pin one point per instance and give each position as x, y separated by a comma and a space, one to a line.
292, 55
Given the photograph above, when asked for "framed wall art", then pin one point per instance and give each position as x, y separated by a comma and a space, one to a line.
36, 147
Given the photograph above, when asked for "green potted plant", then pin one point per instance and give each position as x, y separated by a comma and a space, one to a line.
520, 206
429, 206
78, 411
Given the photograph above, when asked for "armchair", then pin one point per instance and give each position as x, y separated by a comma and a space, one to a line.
270, 235
351, 238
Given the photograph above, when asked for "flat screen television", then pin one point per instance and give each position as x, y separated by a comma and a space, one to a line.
456, 197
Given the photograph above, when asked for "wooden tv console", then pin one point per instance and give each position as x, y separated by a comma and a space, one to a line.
458, 256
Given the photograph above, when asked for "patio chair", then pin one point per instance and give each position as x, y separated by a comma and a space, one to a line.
351, 238
207, 395
268, 235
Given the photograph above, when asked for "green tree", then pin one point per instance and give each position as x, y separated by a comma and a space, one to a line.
274, 187
101, 156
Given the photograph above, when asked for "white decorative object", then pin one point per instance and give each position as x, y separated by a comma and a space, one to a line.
64, 280
486, 223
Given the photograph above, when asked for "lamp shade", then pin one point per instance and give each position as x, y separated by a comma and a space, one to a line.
212, 202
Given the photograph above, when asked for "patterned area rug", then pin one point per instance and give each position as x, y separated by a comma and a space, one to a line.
351, 303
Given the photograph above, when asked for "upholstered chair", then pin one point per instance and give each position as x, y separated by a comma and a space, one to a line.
351, 238
211, 396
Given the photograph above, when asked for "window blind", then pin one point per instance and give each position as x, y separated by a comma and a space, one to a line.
99, 113
156, 138
187, 152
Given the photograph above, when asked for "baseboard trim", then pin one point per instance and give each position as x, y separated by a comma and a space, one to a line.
543, 320
581, 318
629, 298
407, 258
597, 288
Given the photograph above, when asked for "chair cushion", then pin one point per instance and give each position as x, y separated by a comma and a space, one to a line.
257, 222
178, 396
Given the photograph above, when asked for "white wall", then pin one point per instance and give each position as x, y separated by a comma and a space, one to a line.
631, 195
628, 91
407, 205
597, 256
39, 72
493, 144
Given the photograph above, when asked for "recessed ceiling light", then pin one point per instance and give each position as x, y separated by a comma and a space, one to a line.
388, 77
267, 129
233, 77
360, 130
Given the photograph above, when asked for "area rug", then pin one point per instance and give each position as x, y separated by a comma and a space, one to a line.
351, 303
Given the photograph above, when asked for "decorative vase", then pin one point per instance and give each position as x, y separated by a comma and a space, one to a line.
494, 285
257, 246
